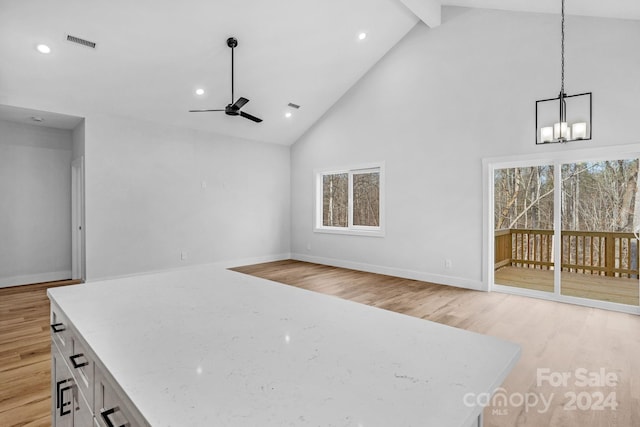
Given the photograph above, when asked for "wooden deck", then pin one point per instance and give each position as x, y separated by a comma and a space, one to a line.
603, 288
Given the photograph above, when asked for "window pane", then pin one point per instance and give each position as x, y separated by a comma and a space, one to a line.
599, 249
366, 199
335, 192
524, 198
523, 222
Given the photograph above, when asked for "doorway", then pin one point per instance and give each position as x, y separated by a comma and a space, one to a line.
563, 228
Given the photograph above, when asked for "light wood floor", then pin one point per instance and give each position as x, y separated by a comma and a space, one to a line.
555, 336
25, 355
614, 289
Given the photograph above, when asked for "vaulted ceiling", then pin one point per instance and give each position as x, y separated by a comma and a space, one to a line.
151, 55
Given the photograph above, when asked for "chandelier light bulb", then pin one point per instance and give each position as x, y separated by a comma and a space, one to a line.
546, 134
579, 130
561, 131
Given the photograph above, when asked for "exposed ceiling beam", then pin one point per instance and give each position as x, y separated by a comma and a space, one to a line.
622, 9
429, 11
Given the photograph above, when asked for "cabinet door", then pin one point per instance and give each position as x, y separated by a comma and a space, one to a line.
82, 415
69, 408
112, 409
62, 391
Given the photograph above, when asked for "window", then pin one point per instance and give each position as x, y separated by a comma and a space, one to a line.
349, 201
335, 195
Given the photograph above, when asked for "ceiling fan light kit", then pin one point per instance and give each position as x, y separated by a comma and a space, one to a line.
553, 112
234, 108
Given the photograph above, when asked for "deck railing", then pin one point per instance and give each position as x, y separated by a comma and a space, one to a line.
599, 253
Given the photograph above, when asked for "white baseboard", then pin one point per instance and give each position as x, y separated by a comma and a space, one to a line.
219, 264
458, 282
34, 278
370, 268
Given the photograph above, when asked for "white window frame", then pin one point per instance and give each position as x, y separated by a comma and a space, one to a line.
557, 159
359, 230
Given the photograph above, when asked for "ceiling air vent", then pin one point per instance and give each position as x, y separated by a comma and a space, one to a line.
80, 41
292, 105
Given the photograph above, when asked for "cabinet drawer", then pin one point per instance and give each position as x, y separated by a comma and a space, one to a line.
81, 364
60, 331
111, 407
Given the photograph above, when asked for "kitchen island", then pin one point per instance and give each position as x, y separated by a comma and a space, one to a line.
206, 346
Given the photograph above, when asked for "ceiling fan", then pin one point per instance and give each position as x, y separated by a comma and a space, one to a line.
233, 109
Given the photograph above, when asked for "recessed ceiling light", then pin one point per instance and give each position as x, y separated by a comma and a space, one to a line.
287, 114
199, 91
37, 119
362, 36
43, 48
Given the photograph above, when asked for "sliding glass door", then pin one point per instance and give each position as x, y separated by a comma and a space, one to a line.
564, 230
523, 227
599, 249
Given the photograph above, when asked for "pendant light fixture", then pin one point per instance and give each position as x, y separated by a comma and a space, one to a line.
552, 113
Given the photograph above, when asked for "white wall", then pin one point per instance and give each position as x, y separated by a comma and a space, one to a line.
145, 201
35, 204
434, 107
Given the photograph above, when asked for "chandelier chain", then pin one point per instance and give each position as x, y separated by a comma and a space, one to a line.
562, 52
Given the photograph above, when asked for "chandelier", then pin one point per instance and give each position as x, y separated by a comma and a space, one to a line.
553, 122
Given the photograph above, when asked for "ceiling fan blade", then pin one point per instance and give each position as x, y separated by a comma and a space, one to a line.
239, 103
202, 111
250, 117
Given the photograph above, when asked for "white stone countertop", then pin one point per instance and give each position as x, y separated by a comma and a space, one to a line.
210, 347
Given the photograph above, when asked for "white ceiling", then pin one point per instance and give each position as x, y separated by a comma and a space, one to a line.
151, 55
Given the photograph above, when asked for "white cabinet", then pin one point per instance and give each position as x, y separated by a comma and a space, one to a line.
82, 392
111, 409
61, 400
69, 407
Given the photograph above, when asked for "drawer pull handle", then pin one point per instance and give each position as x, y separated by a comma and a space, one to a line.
58, 327
62, 402
75, 364
105, 413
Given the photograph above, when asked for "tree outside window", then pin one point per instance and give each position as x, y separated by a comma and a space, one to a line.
350, 201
